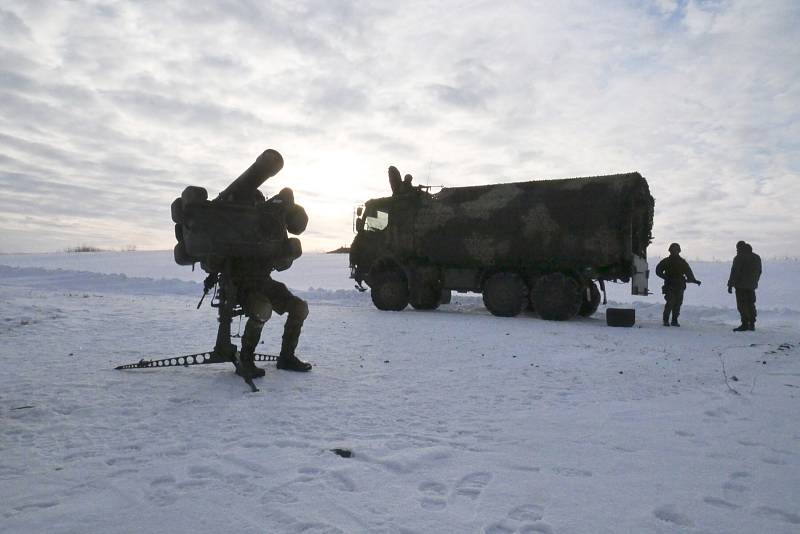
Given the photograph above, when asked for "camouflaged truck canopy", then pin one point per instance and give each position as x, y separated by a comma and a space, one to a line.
555, 224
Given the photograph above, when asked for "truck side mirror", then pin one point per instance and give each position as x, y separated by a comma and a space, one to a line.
359, 211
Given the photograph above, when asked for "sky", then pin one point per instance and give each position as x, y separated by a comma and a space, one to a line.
109, 109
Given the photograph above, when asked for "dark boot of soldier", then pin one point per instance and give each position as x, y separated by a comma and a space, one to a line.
665, 318
674, 321
742, 328
250, 338
287, 360
298, 311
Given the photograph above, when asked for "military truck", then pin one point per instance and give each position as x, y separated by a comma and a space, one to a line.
542, 245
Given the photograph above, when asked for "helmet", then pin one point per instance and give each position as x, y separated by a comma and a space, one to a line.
674, 247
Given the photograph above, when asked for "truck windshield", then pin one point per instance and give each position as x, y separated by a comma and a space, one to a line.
376, 223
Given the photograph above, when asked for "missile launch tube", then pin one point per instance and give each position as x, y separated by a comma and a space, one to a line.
268, 164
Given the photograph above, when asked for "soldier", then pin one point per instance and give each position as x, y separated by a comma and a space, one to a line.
259, 296
676, 272
745, 273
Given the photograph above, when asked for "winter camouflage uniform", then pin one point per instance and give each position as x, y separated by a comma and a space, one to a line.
259, 296
676, 272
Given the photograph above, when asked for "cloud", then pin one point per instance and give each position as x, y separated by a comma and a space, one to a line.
107, 112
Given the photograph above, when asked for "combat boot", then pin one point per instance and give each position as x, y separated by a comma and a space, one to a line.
741, 328
751, 327
292, 363
287, 360
674, 322
247, 366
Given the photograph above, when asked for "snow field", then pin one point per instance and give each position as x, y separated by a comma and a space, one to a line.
458, 421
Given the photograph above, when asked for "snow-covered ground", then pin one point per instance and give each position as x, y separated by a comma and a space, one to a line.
458, 421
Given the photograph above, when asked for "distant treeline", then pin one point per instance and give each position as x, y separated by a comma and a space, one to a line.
90, 248
340, 250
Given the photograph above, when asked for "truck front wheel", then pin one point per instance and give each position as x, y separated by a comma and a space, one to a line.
557, 297
390, 291
504, 294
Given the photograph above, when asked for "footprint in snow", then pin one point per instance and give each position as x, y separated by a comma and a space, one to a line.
334, 479
670, 515
472, 485
777, 514
571, 472
735, 490
528, 512
433, 496
164, 493
720, 503
530, 515
542, 528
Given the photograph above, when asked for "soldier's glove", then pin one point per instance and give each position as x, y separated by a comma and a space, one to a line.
210, 281
730, 289
698, 282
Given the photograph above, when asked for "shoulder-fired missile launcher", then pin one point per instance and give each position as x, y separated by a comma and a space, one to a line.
240, 222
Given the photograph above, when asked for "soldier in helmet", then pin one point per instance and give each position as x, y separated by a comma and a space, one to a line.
676, 272
259, 296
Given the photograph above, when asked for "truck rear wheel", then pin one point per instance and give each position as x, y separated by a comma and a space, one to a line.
504, 294
590, 300
428, 298
390, 291
557, 297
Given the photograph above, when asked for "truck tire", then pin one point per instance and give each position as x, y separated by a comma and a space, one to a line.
504, 294
557, 297
446, 296
428, 298
590, 302
390, 291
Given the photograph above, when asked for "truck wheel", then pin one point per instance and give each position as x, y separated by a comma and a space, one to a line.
429, 298
446, 296
557, 297
504, 294
590, 300
390, 291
